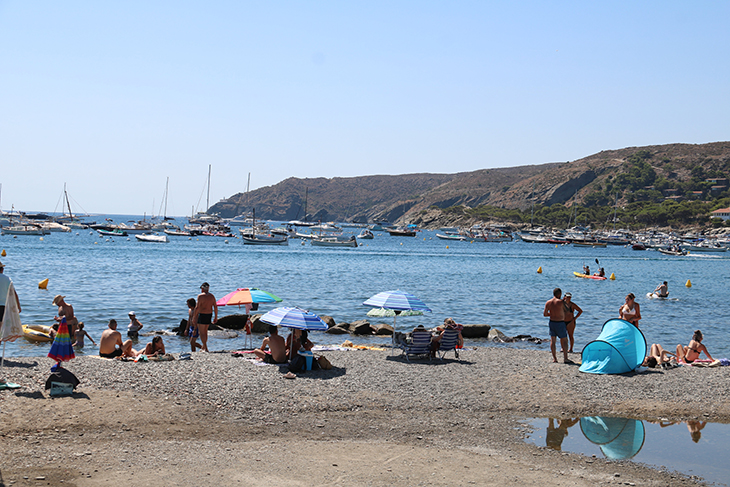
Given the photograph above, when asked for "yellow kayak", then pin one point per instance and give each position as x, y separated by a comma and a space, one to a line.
37, 333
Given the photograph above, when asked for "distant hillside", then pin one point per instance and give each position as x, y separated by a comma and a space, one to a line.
592, 180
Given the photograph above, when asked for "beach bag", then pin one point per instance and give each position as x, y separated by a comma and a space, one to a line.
297, 364
59, 389
324, 364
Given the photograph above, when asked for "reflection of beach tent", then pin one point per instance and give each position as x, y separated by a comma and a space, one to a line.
619, 438
620, 348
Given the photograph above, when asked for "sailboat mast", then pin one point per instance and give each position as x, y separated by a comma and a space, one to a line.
532, 197
68, 203
207, 199
615, 209
167, 184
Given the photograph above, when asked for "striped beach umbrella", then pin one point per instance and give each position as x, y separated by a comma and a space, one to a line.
247, 296
294, 317
397, 300
62, 349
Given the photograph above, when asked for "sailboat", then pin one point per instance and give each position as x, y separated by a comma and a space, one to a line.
262, 239
304, 223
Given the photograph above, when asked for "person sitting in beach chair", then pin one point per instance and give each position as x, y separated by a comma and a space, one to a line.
420, 343
449, 339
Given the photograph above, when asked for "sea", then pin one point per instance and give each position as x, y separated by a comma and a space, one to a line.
504, 285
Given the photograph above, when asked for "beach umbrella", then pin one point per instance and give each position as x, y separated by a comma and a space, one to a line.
62, 349
10, 328
295, 318
397, 301
247, 296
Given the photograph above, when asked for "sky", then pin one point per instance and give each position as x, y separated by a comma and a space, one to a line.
113, 98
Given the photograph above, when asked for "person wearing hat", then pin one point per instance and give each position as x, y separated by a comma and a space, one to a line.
4, 287
65, 310
570, 307
134, 326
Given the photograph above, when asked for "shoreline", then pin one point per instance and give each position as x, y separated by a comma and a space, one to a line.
381, 420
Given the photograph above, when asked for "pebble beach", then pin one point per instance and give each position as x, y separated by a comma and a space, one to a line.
207, 418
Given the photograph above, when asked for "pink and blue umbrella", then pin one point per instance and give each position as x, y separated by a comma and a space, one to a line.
247, 296
62, 349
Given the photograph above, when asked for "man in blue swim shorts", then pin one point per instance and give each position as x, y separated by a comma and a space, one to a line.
554, 310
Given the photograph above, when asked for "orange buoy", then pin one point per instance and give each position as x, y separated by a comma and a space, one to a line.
539, 270
43, 284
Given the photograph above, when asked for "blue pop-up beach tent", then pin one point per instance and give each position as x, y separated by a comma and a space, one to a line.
620, 348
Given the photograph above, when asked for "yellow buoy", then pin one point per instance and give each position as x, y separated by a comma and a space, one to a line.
613, 276
3, 253
41, 239
556, 246
447, 246
539, 270
43, 284
689, 283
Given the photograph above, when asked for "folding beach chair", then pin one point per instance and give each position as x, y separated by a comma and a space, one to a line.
449, 341
420, 344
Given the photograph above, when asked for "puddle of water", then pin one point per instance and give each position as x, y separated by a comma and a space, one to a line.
690, 447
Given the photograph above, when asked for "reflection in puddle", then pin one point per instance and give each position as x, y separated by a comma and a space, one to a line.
691, 447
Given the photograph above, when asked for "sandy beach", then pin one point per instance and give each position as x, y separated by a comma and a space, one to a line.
371, 420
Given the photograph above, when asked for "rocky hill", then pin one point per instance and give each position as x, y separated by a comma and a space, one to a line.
403, 197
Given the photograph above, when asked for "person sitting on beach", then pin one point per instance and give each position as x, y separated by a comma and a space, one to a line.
155, 348
192, 330
662, 290
449, 324
80, 334
277, 348
134, 326
657, 356
111, 345
630, 311
691, 352
301, 342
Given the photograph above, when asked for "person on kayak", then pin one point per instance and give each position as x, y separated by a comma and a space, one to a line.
662, 290
586, 270
600, 273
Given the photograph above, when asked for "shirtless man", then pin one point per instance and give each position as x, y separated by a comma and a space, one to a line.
662, 290
555, 311
67, 311
203, 313
111, 345
275, 342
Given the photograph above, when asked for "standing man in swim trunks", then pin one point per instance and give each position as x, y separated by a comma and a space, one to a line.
555, 311
204, 312
67, 311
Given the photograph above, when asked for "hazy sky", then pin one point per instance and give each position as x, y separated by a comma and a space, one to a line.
114, 97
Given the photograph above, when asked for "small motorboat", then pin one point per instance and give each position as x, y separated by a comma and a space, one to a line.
149, 237
334, 241
111, 233
37, 333
264, 240
638, 246
401, 232
366, 234
450, 236
673, 251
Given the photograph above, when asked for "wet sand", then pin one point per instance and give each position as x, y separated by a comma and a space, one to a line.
371, 420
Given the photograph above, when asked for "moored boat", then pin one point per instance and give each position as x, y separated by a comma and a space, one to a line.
23, 230
401, 232
264, 240
334, 241
450, 237
112, 233
149, 237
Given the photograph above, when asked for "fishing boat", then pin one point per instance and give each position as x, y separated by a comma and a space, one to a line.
328, 241
586, 276
401, 232
177, 233
265, 240
23, 230
150, 237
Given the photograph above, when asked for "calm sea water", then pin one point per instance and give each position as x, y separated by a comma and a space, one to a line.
493, 283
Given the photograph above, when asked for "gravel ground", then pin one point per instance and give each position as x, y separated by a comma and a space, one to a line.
374, 419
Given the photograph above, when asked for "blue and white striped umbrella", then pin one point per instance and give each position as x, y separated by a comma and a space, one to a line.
293, 317
397, 300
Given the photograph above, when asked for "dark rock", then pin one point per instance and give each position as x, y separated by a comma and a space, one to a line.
383, 329
233, 322
339, 330
476, 331
180, 330
361, 327
497, 336
258, 326
329, 320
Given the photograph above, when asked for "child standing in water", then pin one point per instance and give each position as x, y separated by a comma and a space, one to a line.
79, 336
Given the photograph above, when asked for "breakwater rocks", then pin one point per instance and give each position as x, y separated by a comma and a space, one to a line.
357, 327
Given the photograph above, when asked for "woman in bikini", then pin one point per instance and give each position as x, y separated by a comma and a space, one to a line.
657, 356
570, 307
630, 311
691, 352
